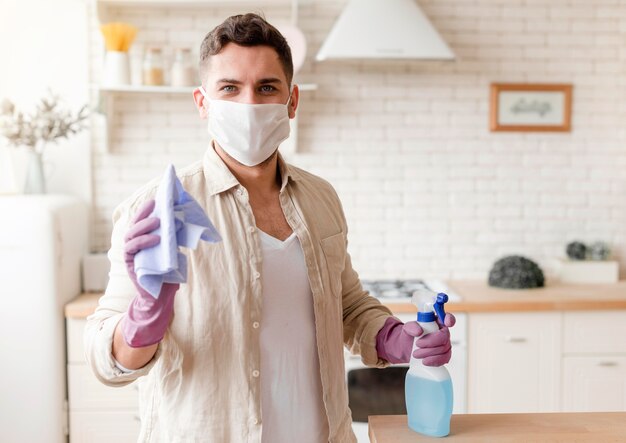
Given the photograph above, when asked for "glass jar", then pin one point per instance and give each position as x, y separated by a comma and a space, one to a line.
183, 70
153, 67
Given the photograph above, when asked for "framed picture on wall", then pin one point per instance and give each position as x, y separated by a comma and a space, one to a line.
531, 107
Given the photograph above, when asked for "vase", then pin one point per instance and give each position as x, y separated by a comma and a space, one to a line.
8, 171
16, 163
35, 182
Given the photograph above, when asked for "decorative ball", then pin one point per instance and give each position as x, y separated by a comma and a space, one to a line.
576, 250
516, 272
599, 251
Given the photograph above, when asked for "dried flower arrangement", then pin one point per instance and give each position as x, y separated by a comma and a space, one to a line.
48, 123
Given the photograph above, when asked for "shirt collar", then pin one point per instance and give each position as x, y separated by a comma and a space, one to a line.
287, 172
219, 178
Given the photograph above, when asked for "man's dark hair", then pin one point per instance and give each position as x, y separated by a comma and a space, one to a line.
245, 30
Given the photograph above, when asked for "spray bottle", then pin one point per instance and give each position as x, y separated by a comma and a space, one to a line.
428, 390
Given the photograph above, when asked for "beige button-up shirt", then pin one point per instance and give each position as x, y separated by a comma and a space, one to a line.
203, 383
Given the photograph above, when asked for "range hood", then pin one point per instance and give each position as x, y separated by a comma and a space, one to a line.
384, 29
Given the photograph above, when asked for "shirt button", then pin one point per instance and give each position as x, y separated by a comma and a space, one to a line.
257, 274
255, 373
256, 421
251, 229
256, 325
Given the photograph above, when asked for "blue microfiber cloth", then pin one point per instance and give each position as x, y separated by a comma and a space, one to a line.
183, 223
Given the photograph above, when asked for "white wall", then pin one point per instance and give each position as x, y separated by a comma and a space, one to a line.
42, 46
427, 189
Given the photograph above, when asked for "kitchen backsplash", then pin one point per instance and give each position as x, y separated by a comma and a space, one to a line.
428, 191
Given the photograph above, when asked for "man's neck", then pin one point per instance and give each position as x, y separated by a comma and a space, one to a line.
260, 180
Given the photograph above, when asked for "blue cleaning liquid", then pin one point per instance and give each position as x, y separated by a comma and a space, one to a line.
428, 405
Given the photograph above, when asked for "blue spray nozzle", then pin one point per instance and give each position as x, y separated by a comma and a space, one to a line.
442, 298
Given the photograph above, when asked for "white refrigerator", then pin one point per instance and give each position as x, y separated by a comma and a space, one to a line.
42, 241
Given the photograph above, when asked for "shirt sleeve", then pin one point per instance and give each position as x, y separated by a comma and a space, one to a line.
363, 315
112, 306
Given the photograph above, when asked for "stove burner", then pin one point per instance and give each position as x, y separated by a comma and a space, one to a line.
393, 288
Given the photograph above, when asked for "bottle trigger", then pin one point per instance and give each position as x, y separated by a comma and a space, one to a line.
442, 298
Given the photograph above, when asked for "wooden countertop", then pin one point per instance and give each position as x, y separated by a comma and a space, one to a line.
477, 296
82, 306
509, 428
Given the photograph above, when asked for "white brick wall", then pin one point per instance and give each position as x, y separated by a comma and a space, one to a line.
427, 189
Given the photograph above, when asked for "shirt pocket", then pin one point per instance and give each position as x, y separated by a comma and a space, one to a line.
334, 249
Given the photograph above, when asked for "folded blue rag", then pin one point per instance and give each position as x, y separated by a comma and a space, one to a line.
183, 223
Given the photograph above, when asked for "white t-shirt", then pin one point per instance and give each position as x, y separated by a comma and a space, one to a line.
291, 391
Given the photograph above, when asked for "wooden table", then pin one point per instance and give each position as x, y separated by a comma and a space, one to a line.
601, 427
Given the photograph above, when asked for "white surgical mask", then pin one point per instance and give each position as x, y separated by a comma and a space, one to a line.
249, 133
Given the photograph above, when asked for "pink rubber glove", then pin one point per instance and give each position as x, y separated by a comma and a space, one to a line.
147, 318
394, 342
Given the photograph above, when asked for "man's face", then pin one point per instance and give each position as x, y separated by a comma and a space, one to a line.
246, 74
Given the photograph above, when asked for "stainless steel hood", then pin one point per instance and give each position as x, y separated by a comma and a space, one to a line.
384, 29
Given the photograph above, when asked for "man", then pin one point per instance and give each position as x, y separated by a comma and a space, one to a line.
250, 349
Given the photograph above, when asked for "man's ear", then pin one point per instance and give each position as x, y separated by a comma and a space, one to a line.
201, 103
293, 102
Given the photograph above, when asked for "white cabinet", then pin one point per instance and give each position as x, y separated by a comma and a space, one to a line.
569, 361
594, 361
514, 363
594, 384
97, 413
595, 332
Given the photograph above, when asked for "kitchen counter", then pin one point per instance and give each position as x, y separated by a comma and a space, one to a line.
82, 306
509, 428
477, 296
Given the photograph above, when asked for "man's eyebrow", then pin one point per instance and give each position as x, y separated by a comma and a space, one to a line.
229, 80
264, 81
